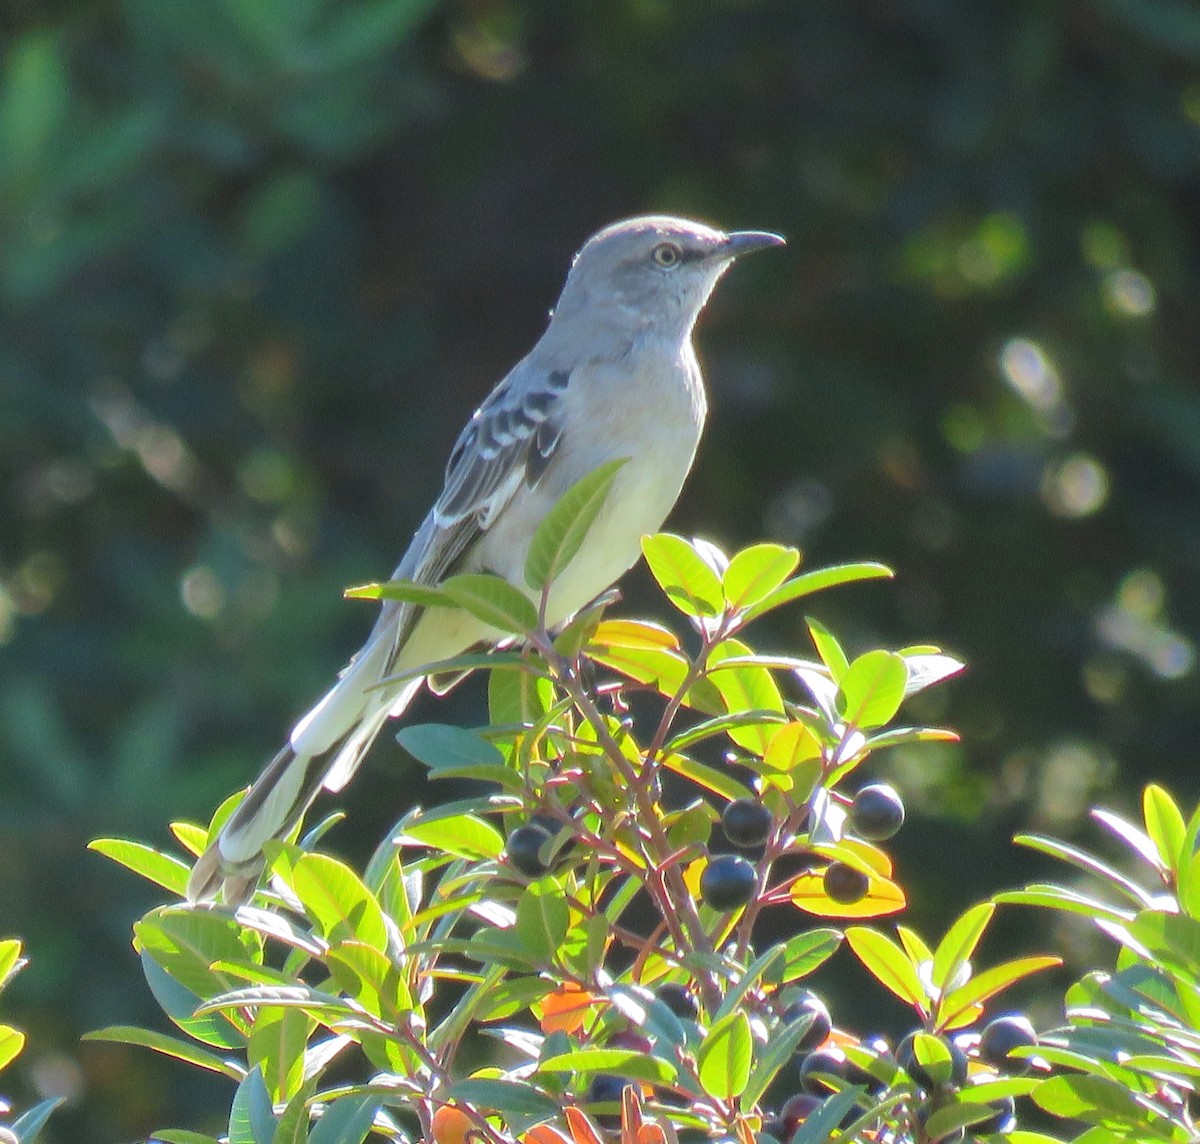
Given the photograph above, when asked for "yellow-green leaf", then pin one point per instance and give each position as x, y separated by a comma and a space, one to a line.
888, 963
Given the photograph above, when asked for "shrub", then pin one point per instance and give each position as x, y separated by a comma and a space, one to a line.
490, 974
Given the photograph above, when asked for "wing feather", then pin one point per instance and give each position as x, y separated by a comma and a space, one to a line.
509, 441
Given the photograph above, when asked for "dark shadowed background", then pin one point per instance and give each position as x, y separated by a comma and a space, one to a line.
258, 261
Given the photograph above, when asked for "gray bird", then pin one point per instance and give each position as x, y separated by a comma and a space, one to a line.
613, 376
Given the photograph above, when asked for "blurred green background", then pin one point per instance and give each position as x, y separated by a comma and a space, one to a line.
260, 258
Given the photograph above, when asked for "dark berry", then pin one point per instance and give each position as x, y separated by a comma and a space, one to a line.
677, 998
605, 1088
832, 1061
1001, 1036
876, 813
845, 884
746, 822
1001, 1120
547, 822
949, 1073
796, 1109
524, 849
628, 1039
728, 882
809, 1005
774, 1126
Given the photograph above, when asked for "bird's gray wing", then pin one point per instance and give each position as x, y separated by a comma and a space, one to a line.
508, 443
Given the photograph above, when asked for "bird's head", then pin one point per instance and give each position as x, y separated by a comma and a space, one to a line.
653, 273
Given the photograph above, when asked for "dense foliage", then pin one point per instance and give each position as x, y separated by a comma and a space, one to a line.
591, 917
258, 262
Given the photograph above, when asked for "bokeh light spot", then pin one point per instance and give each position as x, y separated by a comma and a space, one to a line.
1128, 293
1031, 374
202, 593
1076, 487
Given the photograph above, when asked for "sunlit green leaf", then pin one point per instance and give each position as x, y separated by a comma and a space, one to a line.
169, 1046
872, 689
686, 577
888, 963
1164, 824
464, 835
493, 600
12, 1041
335, 897
562, 530
755, 572
987, 984
959, 945
543, 918
623, 1062
405, 591
828, 648
724, 1056
162, 869
817, 581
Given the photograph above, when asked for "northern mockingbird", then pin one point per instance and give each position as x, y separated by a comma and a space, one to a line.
614, 376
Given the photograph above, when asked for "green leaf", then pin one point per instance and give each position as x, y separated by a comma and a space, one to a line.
12, 1041
162, 869
708, 777
987, 984
521, 1105
543, 918
818, 1127
169, 1046
346, 1120
888, 963
805, 952
278, 1041
1081, 859
724, 1056
405, 591
1092, 1099
744, 688
27, 1126
961, 1114
817, 581
872, 689
182, 1136
251, 1118
440, 745
624, 1062
959, 945
463, 835
1164, 824
1059, 898
292, 1126
180, 1004
563, 529
779, 1051
493, 600
828, 648
334, 897
755, 572
11, 961
684, 575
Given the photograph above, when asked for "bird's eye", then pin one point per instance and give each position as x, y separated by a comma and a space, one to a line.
667, 255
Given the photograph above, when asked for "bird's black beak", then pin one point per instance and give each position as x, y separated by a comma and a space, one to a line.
744, 241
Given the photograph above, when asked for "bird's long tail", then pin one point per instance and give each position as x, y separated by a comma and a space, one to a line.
324, 750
